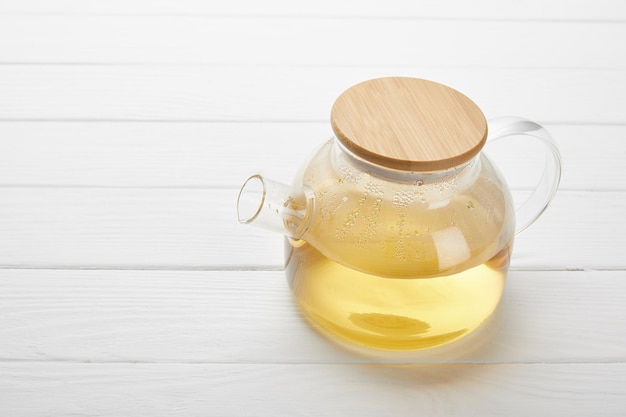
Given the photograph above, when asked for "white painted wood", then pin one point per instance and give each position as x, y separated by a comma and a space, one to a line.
606, 10
249, 317
304, 41
217, 155
198, 229
126, 126
83, 389
268, 93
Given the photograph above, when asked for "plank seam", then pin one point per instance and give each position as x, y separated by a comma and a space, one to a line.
343, 17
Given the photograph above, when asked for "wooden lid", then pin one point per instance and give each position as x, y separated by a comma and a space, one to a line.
409, 124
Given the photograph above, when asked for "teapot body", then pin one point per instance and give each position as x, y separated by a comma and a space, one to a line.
401, 260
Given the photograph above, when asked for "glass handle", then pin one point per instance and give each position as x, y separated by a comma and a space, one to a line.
542, 195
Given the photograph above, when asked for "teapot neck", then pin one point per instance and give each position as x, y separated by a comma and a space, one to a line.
466, 171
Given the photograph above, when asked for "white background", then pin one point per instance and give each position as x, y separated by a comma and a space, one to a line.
126, 127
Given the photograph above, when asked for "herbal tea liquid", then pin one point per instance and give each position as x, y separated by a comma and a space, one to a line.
394, 313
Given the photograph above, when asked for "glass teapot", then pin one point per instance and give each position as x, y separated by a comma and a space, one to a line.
399, 230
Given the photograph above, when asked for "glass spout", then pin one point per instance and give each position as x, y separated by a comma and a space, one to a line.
274, 206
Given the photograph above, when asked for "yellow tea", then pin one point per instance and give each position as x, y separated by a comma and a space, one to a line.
393, 313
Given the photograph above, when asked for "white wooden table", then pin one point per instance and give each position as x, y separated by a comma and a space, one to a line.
127, 288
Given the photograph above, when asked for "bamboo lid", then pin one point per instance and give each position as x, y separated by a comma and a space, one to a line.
409, 124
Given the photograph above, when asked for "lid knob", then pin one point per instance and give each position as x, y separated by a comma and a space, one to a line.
409, 124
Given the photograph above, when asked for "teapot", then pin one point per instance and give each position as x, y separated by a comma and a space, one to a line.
399, 230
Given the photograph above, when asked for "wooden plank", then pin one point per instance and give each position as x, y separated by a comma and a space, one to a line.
608, 10
79, 389
296, 94
217, 155
197, 229
279, 41
137, 228
249, 317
